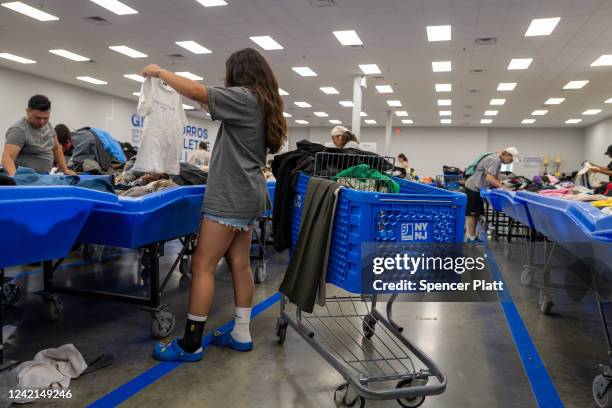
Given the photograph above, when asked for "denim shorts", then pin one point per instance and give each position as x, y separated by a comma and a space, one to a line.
240, 224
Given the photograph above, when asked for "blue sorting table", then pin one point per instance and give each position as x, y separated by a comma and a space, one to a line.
486, 195
586, 233
43, 222
512, 206
146, 222
39, 223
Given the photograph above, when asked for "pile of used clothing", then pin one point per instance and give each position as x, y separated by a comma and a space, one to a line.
28, 177
287, 166
95, 151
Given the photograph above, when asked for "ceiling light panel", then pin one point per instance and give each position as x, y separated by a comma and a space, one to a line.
189, 75
369, 69
348, 37
266, 42
304, 71
497, 102
135, 77
384, 89
116, 7
130, 52
528, 121
445, 102
212, 3
302, 104
554, 101
542, 26
16, 58
575, 84
69, 55
346, 104
30, 11
401, 113
321, 114
407, 121
441, 66
506, 86
520, 63
91, 80
394, 103
194, 47
439, 33
444, 87
329, 90
539, 112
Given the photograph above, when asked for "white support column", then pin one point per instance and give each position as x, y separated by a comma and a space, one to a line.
388, 125
356, 123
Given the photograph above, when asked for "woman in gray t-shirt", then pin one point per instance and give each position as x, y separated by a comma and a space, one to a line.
252, 125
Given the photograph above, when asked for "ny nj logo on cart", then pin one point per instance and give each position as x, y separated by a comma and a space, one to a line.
414, 231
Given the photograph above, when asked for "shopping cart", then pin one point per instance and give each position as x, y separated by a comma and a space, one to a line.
363, 344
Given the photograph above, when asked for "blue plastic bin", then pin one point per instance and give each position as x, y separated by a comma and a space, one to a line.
43, 222
418, 214
512, 206
136, 222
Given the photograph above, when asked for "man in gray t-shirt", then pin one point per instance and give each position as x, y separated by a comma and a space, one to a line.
486, 173
31, 141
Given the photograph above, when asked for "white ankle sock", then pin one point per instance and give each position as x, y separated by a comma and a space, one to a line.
242, 318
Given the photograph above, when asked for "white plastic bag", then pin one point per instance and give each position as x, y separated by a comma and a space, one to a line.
162, 134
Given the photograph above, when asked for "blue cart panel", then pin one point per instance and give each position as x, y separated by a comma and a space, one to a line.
417, 214
156, 217
512, 206
42, 223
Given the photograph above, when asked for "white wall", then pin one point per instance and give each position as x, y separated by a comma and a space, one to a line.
428, 149
567, 143
75, 107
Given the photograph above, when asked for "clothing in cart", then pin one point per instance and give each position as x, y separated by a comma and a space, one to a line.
305, 275
28, 177
162, 135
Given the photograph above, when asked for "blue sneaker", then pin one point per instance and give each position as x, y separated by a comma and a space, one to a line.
226, 340
173, 352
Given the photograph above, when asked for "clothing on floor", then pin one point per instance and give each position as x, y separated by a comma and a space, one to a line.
238, 155
488, 165
50, 368
304, 274
363, 177
36, 145
110, 144
162, 135
28, 177
152, 187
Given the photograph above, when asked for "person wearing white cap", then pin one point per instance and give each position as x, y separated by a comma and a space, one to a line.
344, 138
486, 173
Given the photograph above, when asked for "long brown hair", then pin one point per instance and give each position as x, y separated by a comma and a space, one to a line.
248, 68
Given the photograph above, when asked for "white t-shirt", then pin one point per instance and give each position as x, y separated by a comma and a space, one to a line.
161, 142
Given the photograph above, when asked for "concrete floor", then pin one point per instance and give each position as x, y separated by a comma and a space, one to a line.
470, 341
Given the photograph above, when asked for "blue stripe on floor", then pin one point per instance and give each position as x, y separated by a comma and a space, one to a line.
137, 384
543, 388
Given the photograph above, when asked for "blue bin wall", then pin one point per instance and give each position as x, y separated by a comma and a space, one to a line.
136, 222
363, 216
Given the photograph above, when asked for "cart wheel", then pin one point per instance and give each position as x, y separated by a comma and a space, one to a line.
546, 305
162, 324
185, 266
415, 401
341, 396
601, 392
11, 293
260, 273
54, 307
527, 276
281, 330
369, 326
